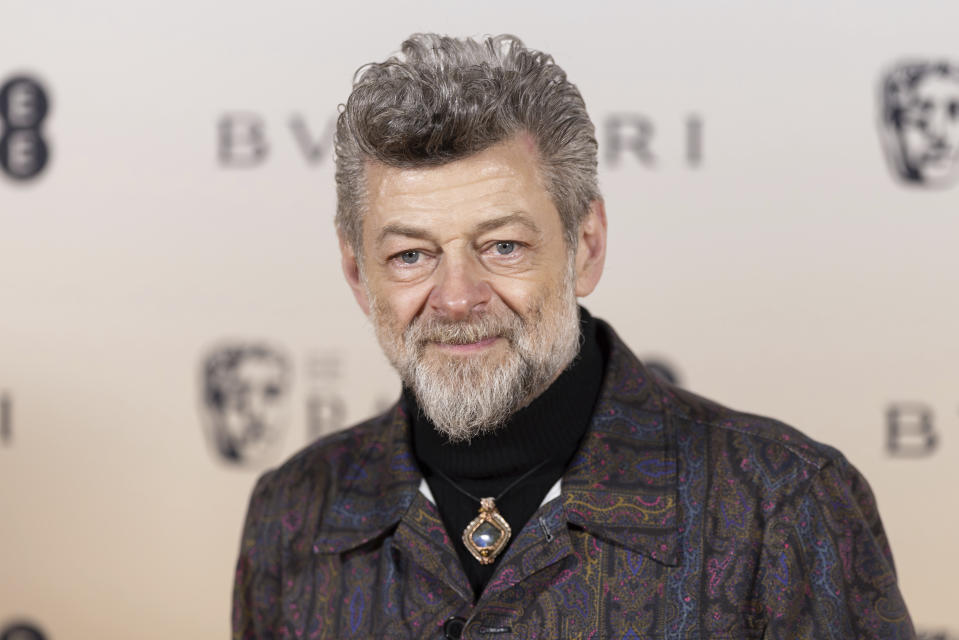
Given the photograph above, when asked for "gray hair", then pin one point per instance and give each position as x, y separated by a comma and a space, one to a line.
443, 99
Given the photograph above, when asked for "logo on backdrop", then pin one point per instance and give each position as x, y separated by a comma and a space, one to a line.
21, 631
663, 369
910, 430
919, 121
6, 418
23, 107
245, 400
636, 136
631, 139
325, 406
243, 139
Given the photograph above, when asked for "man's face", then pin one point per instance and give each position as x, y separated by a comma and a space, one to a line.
471, 284
930, 128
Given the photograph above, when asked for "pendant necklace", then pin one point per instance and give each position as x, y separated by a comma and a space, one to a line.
486, 535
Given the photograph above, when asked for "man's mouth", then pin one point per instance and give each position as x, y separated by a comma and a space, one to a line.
466, 347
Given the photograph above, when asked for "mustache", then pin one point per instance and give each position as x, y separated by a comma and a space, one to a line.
426, 330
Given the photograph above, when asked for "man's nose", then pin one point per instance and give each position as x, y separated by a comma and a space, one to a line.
460, 289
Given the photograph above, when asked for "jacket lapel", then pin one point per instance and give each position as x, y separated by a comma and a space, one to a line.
622, 484
422, 538
543, 542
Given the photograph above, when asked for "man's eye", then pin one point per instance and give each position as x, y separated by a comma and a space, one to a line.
505, 248
410, 257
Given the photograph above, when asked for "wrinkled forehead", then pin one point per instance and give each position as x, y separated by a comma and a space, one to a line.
502, 179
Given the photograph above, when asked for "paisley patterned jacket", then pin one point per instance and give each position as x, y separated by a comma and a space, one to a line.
678, 518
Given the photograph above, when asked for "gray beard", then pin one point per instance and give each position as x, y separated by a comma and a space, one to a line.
468, 396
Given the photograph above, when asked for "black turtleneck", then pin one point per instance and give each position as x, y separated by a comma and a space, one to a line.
549, 428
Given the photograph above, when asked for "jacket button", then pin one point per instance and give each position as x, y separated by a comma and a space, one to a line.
453, 627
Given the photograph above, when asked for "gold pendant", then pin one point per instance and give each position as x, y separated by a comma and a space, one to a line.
486, 536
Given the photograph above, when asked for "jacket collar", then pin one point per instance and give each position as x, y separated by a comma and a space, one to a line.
372, 483
621, 485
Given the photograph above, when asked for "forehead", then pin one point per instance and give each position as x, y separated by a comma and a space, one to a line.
505, 178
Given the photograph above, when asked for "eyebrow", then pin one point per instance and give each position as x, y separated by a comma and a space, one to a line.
394, 229
518, 217
487, 225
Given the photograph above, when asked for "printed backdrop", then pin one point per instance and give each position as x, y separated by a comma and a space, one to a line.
783, 238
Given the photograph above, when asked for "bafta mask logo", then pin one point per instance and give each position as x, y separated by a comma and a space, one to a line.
245, 395
919, 104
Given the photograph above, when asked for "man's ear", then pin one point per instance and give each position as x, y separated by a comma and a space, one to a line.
351, 269
591, 249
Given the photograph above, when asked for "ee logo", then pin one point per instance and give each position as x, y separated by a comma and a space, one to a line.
21, 631
23, 106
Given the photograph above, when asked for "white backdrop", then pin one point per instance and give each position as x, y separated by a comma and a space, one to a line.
760, 245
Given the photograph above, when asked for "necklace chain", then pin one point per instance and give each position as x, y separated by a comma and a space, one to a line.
501, 493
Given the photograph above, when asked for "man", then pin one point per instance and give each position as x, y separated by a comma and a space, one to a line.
920, 121
534, 480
